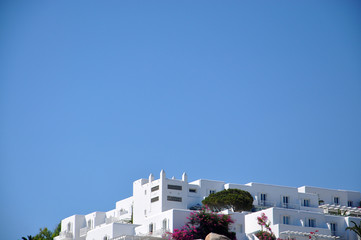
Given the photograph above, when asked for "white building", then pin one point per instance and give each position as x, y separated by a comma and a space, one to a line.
161, 205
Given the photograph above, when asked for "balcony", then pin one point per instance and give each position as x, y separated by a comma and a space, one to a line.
122, 219
65, 235
301, 232
333, 209
308, 235
112, 220
131, 237
290, 206
83, 231
157, 233
268, 204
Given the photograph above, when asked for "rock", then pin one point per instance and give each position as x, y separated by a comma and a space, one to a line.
215, 236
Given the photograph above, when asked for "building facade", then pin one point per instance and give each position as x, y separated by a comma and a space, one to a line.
162, 205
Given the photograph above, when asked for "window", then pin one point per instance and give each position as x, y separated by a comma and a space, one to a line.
349, 203
336, 200
312, 222
212, 191
151, 228
154, 199
105, 238
69, 227
145, 192
174, 199
153, 189
89, 223
333, 229
286, 220
263, 199
285, 201
174, 187
165, 224
192, 190
306, 202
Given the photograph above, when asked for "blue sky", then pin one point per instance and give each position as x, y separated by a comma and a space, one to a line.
97, 94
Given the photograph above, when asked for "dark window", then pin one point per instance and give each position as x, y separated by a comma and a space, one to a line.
174, 199
285, 201
174, 187
151, 228
164, 224
153, 189
312, 222
333, 229
192, 190
349, 203
69, 226
286, 220
154, 199
263, 197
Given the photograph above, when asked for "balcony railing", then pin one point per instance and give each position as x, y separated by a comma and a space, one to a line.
123, 219
159, 232
83, 231
156, 233
65, 235
275, 204
112, 220
290, 205
309, 235
130, 237
262, 203
333, 209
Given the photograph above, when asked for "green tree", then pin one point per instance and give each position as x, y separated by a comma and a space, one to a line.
28, 238
235, 199
44, 234
56, 231
356, 228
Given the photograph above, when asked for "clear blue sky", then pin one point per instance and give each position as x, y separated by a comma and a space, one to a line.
97, 94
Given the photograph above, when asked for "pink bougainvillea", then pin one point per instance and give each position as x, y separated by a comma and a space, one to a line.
201, 223
266, 234
312, 234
